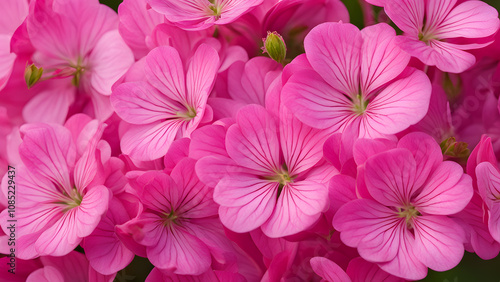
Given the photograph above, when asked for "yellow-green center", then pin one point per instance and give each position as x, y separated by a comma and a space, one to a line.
408, 213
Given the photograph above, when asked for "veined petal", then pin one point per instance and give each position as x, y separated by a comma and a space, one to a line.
399, 105
179, 252
195, 199
328, 270
426, 152
140, 103
50, 106
381, 59
488, 183
150, 141
445, 56
408, 15
201, 75
316, 103
334, 52
157, 190
438, 242
447, 191
253, 141
371, 227
470, 19
164, 70
494, 221
246, 201
390, 177
110, 59
436, 12
298, 207
302, 146
49, 151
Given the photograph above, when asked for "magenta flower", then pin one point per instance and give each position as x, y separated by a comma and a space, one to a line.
488, 184
404, 225
61, 199
180, 226
202, 14
171, 103
357, 78
264, 180
431, 26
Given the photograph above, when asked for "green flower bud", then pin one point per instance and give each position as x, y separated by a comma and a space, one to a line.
32, 75
275, 46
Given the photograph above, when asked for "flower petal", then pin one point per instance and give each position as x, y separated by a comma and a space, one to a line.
334, 52
381, 59
246, 201
390, 177
438, 242
408, 15
253, 141
328, 270
298, 207
447, 191
201, 75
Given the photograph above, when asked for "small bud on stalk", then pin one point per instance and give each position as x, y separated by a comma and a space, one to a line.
32, 75
275, 46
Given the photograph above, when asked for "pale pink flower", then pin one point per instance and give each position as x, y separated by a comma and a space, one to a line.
12, 15
403, 224
356, 78
78, 40
265, 179
170, 104
430, 28
202, 14
60, 195
180, 226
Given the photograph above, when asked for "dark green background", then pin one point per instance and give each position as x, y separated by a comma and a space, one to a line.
472, 268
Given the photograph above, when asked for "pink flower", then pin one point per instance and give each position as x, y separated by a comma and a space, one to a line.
61, 198
202, 14
432, 26
361, 81
403, 224
12, 15
171, 104
264, 180
180, 226
77, 40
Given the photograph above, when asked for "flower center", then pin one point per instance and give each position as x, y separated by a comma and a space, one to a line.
359, 104
283, 177
189, 114
170, 218
73, 200
215, 9
409, 213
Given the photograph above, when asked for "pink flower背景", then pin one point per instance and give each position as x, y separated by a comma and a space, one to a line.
170, 104
61, 198
202, 14
265, 181
362, 81
403, 224
430, 28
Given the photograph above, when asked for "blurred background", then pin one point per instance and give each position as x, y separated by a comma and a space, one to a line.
471, 268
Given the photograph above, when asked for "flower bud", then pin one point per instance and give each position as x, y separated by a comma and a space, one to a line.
451, 148
32, 75
275, 46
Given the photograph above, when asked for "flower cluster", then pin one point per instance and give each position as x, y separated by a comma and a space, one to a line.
256, 140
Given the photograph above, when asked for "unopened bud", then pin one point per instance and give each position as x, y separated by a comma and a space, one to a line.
275, 46
32, 75
451, 148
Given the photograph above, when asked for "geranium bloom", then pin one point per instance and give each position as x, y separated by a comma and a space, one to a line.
430, 27
171, 103
179, 226
265, 181
403, 224
60, 198
77, 40
202, 14
357, 78
12, 15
